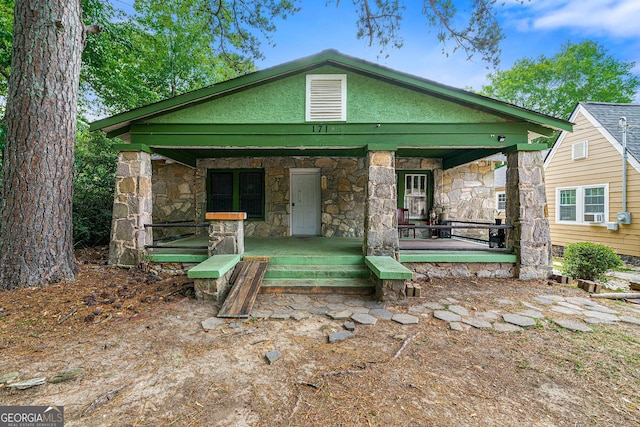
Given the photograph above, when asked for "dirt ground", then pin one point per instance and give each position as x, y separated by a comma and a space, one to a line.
148, 361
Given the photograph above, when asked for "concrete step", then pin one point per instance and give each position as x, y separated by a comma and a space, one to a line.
344, 286
316, 260
316, 271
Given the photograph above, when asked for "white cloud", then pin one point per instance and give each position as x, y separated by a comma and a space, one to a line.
617, 18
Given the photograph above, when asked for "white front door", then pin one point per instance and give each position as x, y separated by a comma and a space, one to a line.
305, 202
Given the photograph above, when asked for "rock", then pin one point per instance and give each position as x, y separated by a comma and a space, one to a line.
417, 309
601, 316
506, 327
476, 323
534, 314
349, 326
570, 306
381, 313
457, 309
563, 310
8, 377
433, 305
487, 315
69, 374
300, 315
544, 300
456, 326
532, 306
340, 336
602, 309
261, 314
630, 319
272, 356
212, 323
23, 385
340, 315
364, 319
580, 301
405, 319
596, 321
447, 316
572, 325
518, 320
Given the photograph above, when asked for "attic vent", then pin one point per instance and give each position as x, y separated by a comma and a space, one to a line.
579, 150
326, 98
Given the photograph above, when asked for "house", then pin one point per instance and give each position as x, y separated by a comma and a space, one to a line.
593, 193
328, 145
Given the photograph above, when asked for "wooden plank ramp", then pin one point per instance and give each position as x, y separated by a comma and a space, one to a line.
246, 280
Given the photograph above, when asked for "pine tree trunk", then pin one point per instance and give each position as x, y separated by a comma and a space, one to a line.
36, 241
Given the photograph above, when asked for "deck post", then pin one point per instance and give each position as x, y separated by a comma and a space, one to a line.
132, 209
380, 222
526, 211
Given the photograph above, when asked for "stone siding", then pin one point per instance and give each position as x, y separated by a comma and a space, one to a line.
174, 197
342, 199
459, 269
381, 223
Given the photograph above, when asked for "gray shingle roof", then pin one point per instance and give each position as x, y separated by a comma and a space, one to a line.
609, 115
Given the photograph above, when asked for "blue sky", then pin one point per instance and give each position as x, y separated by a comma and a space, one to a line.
537, 27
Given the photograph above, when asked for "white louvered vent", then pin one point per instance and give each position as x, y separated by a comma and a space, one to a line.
326, 98
579, 150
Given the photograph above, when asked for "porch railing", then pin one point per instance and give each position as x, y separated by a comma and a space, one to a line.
175, 224
496, 232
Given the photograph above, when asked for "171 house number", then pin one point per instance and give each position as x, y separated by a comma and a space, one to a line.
320, 129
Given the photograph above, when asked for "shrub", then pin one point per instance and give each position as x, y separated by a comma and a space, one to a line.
589, 261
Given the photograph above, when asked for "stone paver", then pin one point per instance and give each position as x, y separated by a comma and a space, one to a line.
506, 327
340, 336
563, 310
433, 305
601, 316
447, 316
364, 319
355, 309
489, 316
630, 319
281, 315
572, 325
476, 323
532, 306
381, 313
457, 326
417, 309
518, 320
602, 309
544, 300
349, 325
458, 309
596, 321
580, 301
339, 315
570, 306
272, 356
212, 323
534, 314
374, 305
405, 319
300, 306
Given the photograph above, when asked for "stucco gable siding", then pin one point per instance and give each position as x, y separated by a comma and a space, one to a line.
369, 100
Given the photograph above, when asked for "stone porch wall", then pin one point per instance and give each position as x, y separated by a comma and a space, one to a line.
174, 197
342, 200
457, 270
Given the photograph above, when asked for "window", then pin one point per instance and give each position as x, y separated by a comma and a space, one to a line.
583, 205
326, 98
415, 195
232, 190
501, 201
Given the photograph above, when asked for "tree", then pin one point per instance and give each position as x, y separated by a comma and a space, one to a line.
579, 72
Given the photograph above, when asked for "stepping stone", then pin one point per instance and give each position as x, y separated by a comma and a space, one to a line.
596, 321
544, 300
563, 310
319, 311
281, 315
212, 323
355, 310
452, 301
272, 356
364, 319
579, 300
417, 309
301, 298
405, 319
556, 298
457, 309
532, 306
570, 306
340, 336
518, 320
349, 325
381, 313
506, 327
374, 305
261, 314
505, 302
340, 315
447, 316
572, 325
23, 385
630, 319
300, 307
534, 314
602, 309
457, 326
433, 305
602, 316
355, 302
487, 315
476, 323
301, 315
336, 307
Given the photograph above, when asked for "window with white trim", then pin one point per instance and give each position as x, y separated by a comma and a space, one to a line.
501, 201
583, 204
326, 98
415, 194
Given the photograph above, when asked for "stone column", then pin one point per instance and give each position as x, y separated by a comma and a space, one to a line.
132, 208
226, 232
526, 211
380, 221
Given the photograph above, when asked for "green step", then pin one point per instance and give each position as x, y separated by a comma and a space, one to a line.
316, 260
349, 286
316, 271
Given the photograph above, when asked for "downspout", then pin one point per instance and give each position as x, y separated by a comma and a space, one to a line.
623, 124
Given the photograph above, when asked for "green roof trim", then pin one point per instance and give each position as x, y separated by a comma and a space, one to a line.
525, 147
539, 123
133, 147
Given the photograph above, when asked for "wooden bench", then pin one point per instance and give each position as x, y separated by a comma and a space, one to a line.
215, 267
387, 268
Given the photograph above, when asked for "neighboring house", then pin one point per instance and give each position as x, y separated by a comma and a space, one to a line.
585, 183
328, 145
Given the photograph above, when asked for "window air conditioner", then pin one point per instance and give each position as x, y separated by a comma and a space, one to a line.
594, 217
